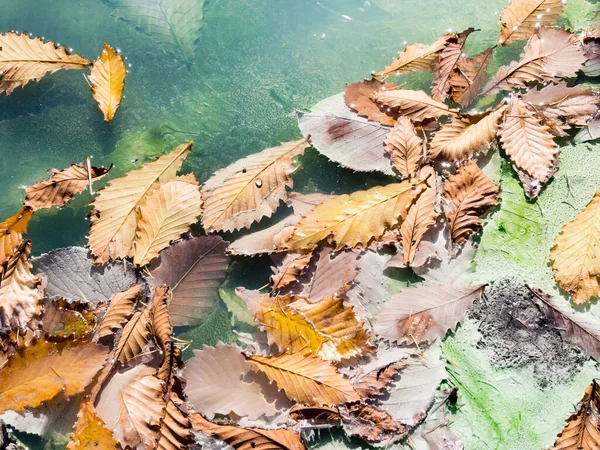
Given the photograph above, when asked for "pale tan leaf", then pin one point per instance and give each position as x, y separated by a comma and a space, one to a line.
11, 232
421, 216
24, 58
289, 268
42, 370
357, 219
582, 431
468, 79
576, 253
107, 76
550, 55
119, 310
134, 337
114, 214
62, 186
251, 188
423, 314
416, 105
90, 431
248, 438
415, 57
358, 97
528, 142
168, 212
406, 149
446, 64
521, 18
306, 380
468, 194
466, 136
20, 290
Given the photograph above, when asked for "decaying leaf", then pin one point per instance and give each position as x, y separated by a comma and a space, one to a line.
416, 105
582, 431
219, 380
358, 97
24, 58
468, 194
576, 253
119, 310
114, 216
90, 431
372, 424
42, 370
194, 269
168, 212
11, 233
248, 438
20, 290
469, 78
375, 384
521, 18
422, 314
134, 337
289, 267
306, 380
405, 148
357, 219
62, 186
550, 54
591, 48
445, 65
466, 136
107, 78
415, 57
60, 321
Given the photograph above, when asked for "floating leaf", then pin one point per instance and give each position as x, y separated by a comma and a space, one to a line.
24, 58
251, 188
62, 186
576, 253
521, 18
90, 431
194, 269
359, 98
60, 322
162, 330
107, 78
289, 268
42, 370
469, 78
119, 310
372, 424
425, 313
581, 431
355, 220
20, 290
375, 384
468, 194
406, 149
306, 380
114, 216
168, 212
11, 233
550, 54
446, 64
134, 337
175, 427
416, 105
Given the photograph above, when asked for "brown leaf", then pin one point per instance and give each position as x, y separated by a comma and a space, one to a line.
62, 321
306, 380
90, 431
405, 148
288, 268
550, 55
175, 427
591, 48
468, 79
359, 98
251, 188
62, 186
20, 290
194, 269
372, 424
375, 384
119, 310
11, 233
468, 194
162, 330
521, 18
421, 216
416, 105
248, 438
42, 370
446, 63
466, 136
24, 58
134, 337
528, 142
422, 314
107, 78
582, 431
415, 57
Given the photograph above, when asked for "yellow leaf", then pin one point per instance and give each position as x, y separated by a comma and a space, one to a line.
90, 431
20, 291
405, 148
119, 309
107, 76
23, 58
307, 380
11, 232
114, 215
167, 213
521, 18
135, 336
576, 253
416, 105
42, 370
251, 188
357, 219
582, 431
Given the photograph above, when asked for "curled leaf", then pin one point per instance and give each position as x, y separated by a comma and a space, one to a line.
446, 64
119, 310
289, 268
107, 77
134, 337
359, 98
11, 232
416, 105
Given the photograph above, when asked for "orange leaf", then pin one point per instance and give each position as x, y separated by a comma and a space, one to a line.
90, 431
107, 76
11, 231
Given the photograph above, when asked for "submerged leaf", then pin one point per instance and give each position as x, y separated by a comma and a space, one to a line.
416, 105
24, 58
90, 431
406, 149
582, 431
359, 98
11, 232
107, 77
521, 18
